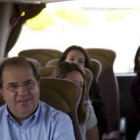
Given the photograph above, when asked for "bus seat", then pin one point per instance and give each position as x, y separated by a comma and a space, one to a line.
89, 78
105, 56
35, 62
42, 55
66, 99
46, 71
109, 89
96, 68
89, 75
52, 62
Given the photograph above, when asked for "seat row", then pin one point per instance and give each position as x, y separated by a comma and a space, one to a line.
102, 69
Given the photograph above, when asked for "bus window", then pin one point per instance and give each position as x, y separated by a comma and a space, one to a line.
106, 24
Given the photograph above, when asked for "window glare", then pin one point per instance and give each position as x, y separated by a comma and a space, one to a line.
90, 25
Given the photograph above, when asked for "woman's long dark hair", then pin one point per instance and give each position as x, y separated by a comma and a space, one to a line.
137, 66
94, 90
75, 47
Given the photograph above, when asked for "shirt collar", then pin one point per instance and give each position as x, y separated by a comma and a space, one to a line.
33, 116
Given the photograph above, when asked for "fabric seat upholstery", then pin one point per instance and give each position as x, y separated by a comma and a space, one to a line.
96, 68
42, 55
52, 62
66, 99
109, 89
47, 71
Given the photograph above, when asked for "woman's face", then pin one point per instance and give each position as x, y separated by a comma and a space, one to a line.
76, 77
75, 56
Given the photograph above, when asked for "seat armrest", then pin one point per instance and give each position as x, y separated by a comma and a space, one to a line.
114, 135
122, 128
117, 135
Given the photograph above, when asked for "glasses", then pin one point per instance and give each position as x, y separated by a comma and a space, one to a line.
14, 88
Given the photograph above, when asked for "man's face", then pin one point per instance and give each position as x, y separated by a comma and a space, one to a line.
22, 101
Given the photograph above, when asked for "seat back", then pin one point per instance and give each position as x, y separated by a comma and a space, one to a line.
96, 68
35, 62
52, 62
42, 55
108, 86
66, 99
46, 71
89, 78
105, 56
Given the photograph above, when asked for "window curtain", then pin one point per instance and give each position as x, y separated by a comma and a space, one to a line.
23, 13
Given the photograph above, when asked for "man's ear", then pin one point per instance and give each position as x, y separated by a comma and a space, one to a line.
2, 101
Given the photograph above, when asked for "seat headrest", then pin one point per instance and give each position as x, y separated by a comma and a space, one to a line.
42, 55
105, 56
46, 71
52, 62
61, 94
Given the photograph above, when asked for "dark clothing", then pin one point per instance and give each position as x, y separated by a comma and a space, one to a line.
135, 93
98, 106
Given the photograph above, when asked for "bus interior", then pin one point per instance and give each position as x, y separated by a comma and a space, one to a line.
108, 30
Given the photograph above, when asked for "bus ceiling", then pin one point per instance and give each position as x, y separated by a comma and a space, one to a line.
33, 1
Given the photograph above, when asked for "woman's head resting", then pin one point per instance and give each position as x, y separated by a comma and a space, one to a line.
70, 71
73, 72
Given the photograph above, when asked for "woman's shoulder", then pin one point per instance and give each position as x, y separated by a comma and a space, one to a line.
135, 86
89, 106
88, 102
135, 78
135, 81
91, 119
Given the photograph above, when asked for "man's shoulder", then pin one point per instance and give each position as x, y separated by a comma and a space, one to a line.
2, 108
46, 107
2, 112
56, 121
53, 116
50, 111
